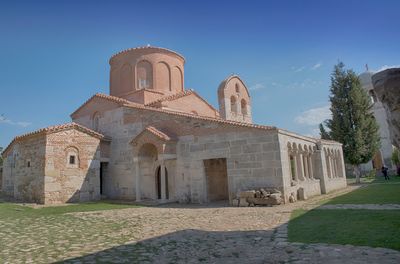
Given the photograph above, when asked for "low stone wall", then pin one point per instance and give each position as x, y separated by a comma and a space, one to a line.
335, 184
310, 188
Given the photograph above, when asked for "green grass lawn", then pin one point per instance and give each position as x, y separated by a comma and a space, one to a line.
48, 234
11, 210
377, 192
375, 228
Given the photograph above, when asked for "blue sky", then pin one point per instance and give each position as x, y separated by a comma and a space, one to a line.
54, 55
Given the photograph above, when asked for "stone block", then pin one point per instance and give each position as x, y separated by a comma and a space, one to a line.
243, 202
301, 194
247, 194
253, 148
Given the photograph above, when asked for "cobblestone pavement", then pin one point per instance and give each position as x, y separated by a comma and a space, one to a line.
175, 234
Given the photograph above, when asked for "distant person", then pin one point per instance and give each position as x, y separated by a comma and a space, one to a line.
385, 172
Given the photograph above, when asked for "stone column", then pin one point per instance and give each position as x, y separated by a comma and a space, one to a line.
300, 167
163, 181
321, 168
305, 158
137, 178
310, 167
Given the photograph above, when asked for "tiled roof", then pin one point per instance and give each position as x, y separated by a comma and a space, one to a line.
114, 99
178, 95
171, 97
147, 47
126, 103
155, 132
56, 128
158, 133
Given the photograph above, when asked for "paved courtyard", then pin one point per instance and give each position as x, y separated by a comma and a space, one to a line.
174, 234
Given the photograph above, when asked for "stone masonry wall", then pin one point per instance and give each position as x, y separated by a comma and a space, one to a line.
252, 154
69, 183
255, 157
24, 169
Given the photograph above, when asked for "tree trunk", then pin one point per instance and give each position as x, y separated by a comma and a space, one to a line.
356, 170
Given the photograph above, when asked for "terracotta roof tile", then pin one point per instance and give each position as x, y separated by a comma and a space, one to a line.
146, 47
171, 97
158, 133
56, 128
126, 103
117, 100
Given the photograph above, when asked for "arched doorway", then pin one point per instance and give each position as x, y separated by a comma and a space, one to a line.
148, 156
159, 185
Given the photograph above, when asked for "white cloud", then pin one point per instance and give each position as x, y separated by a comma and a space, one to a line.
257, 86
314, 116
384, 67
314, 132
4, 120
300, 69
316, 66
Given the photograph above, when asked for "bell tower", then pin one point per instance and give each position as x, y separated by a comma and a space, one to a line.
234, 100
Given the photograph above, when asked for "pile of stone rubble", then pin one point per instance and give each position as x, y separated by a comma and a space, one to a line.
262, 196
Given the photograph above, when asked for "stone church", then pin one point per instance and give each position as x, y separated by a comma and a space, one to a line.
151, 139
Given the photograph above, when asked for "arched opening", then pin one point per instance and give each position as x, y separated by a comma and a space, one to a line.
292, 167
177, 79
72, 157
243, 105
233, 104
148, 156
163, 79
126, 78
95, 121
159, 183
144, 75
237, 88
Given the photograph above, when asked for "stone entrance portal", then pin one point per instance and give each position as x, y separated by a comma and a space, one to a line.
217, 179
159, 183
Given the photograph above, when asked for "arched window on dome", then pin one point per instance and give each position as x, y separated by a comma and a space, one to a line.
233, 105
243, 105
144, 75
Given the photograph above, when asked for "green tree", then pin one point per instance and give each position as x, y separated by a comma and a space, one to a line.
323, 133
352, 123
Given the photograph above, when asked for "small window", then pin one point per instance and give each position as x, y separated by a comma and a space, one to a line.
72, 160
237, 88
28, 164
